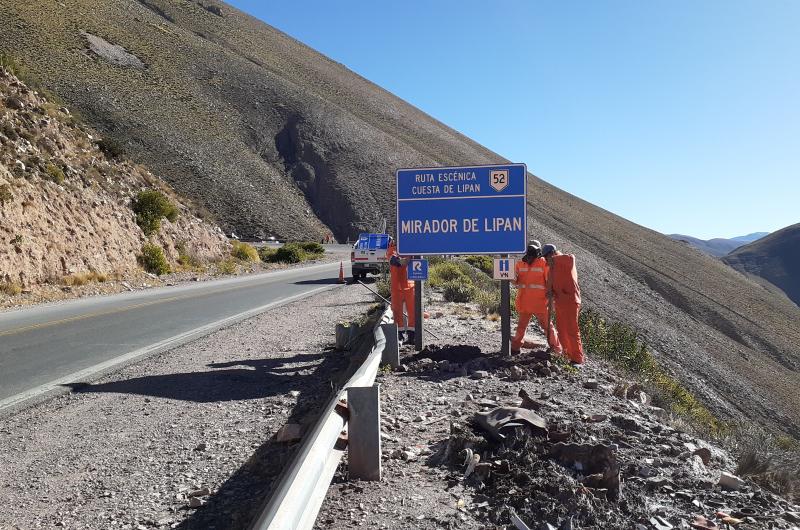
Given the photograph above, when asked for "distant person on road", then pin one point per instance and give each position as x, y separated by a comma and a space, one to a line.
402, 293
531, 283
566, 297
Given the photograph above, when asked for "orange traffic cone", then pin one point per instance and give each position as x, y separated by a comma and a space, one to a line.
341, 272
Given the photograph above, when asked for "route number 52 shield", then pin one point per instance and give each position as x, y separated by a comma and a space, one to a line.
498, 179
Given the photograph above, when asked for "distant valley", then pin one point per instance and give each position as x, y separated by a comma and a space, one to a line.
719, 246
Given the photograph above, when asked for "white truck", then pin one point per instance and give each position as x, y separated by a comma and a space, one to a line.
369, 255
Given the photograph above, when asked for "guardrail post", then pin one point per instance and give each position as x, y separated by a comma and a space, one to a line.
391, 351
364, 433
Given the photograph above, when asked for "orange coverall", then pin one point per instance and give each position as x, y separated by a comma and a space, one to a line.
567, 301
531, 283
402, 292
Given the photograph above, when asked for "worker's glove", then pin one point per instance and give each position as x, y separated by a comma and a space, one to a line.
395, 260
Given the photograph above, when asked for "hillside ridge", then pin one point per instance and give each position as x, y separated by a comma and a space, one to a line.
774, 259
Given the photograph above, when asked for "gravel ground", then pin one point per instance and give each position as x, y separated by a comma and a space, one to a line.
610, 460
188, 427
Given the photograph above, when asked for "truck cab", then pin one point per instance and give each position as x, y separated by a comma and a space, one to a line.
369, 255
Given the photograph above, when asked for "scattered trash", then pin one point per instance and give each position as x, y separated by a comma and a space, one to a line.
702, 523
502, 418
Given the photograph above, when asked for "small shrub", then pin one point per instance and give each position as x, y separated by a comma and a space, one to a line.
267, 254
5, 194
244, 252
445, 272
771, 461
383, 288
488, 302
289, 253
186, 258
153, 260
312, 247
17, 240
8, 62
150, 207
55, 173
484, 264
10, 288
111, 148
435, 260
459, 291
227, 266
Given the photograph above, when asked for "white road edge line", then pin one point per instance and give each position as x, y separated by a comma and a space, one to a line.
10, 403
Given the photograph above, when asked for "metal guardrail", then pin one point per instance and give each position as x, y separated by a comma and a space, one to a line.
295, 502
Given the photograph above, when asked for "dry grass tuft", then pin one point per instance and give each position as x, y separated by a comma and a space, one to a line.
83, 278
10, 288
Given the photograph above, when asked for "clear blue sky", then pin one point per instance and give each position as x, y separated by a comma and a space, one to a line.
680, 116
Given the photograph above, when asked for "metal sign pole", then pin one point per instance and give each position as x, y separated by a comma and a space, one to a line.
418, 316
505, 316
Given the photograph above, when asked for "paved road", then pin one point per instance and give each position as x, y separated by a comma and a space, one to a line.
42, 348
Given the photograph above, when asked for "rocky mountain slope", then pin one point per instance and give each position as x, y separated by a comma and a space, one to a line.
718, 246
775, 258
65, 208
275, 138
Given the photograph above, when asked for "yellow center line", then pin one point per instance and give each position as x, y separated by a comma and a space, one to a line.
41, 325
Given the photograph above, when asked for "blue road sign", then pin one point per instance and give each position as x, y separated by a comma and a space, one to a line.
462, 210
418, 270
373, 241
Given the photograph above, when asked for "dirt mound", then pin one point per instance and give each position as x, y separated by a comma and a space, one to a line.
66, 208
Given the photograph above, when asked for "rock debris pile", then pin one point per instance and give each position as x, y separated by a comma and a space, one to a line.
474, 440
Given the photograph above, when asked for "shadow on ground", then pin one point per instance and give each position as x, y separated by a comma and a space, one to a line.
230, 381
236, 503
321, 281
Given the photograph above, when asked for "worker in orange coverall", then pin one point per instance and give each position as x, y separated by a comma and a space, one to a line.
563, 286
402, 293
531, 283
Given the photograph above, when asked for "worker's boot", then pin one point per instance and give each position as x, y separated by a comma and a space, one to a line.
412, 337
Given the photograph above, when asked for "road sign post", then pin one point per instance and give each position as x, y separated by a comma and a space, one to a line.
505, 271
463, 210
418, 273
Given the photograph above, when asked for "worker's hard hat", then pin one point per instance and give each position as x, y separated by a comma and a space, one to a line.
533, 248
548, 249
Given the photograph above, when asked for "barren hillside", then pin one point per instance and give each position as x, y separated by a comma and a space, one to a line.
775, 258
65, 207
275, 138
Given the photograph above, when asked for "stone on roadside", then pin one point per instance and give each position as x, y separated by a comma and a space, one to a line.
730, 482
591, 384
480, 374
294, 393
705, 455
697, 465
515, 373
291, 432
201, 447
202, 492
